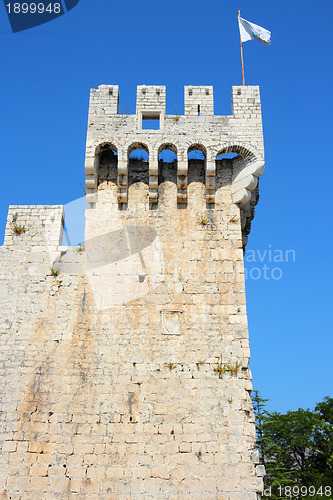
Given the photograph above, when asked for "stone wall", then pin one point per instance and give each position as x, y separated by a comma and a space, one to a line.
126, 374
199, 128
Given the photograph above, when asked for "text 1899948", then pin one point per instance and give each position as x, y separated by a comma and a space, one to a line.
33, 8
298, 491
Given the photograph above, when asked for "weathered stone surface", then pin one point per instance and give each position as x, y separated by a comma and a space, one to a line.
126, 375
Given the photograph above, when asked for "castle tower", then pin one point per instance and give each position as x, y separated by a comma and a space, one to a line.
127, 374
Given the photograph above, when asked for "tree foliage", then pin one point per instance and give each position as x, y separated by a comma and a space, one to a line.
296, 449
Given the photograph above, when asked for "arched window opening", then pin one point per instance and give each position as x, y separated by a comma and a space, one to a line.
138, 168
227, 159
167, 157
196, 163
167, 153
196, 152
107, 158
232, 151
138, 151
226, 156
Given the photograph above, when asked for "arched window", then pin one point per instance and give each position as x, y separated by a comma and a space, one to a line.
196, 152
167, 164
196, 155
227, 159
232, 150
138, 164
107, 163
226, 156
167, 153
138, 151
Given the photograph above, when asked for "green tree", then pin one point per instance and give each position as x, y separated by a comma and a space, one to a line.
296, 449
324, 441
259, 408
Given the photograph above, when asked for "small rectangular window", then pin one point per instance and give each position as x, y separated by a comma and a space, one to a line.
150, 122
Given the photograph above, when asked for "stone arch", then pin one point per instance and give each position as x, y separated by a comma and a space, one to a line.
106, 145
167, 146
136, 173
243, 149
106, 163
247, 167
92, 163
197, 146
137, 145
167, 169
196, 167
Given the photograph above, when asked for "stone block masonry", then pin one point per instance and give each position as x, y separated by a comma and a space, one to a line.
125, 374
199, 129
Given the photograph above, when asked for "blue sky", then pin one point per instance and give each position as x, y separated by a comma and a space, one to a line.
46, 76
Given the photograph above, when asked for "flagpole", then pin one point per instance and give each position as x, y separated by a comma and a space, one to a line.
241, 49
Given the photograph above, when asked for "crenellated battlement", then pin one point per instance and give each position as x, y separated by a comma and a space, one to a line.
110, 133
199, 101
198, 129
105, 100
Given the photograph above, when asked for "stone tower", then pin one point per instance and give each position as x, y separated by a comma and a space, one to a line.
125, 363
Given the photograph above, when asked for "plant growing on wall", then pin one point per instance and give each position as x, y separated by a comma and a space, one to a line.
202, 220
54, 272
234, 219
176, 118
233, 369
222, 368
18, 229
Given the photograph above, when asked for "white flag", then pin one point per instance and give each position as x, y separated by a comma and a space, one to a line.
250, 31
